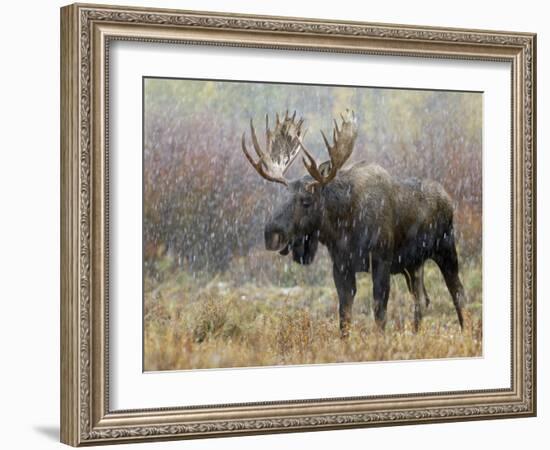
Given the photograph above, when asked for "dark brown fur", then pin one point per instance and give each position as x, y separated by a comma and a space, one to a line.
371, 222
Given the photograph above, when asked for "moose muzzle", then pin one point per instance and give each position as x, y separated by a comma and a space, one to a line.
275, 239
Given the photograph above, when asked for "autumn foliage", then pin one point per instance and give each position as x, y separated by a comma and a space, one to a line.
204, 207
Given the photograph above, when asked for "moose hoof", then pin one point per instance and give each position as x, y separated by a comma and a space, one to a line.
344, 333
381, 325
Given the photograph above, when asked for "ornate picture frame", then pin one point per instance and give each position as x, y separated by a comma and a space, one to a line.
87, 31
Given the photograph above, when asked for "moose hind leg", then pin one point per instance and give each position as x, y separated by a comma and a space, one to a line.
407, 275
447, 260
381, 291
419, 294
426, 297
344, 279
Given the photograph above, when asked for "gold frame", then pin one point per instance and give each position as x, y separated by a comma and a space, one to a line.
86, 31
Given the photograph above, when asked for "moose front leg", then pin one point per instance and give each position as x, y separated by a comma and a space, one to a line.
380, 290
344, 279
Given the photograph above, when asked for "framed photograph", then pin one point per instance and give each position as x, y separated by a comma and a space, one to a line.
276, 224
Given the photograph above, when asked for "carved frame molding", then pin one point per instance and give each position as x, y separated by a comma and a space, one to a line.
86, 31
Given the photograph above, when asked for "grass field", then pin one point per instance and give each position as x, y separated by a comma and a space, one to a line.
192, 323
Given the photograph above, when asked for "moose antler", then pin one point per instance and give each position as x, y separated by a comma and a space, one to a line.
343, 140
282, 146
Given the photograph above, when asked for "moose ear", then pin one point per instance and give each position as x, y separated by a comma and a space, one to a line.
324, 168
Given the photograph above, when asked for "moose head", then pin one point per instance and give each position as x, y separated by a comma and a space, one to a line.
296, 224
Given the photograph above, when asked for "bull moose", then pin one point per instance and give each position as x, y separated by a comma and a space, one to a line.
368, 220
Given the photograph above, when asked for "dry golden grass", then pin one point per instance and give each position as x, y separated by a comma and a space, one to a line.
190, 325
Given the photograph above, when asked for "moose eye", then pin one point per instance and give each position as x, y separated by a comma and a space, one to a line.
306, 202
